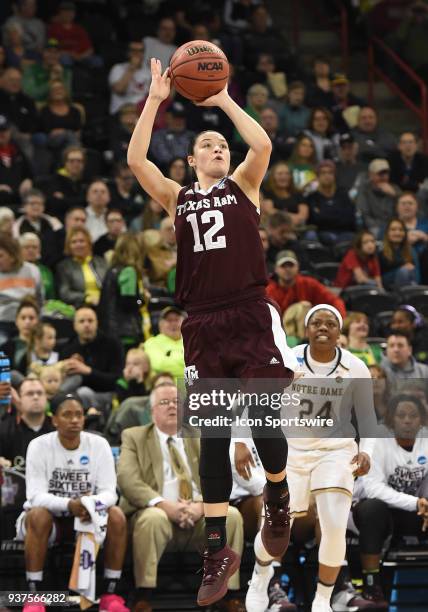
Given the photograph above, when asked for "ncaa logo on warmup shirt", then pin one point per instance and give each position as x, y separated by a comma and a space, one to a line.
422, 460
190, 374
84, 460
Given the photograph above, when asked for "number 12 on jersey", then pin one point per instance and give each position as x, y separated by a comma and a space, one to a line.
209, 239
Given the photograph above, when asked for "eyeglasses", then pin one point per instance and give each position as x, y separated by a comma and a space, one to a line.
167, 402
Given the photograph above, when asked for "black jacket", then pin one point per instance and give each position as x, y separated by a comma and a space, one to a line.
119, 315
408, 179
104, 355
15, 436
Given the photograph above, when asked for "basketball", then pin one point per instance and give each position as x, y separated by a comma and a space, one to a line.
198, 70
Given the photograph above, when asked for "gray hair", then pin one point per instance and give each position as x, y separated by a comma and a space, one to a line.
29, 237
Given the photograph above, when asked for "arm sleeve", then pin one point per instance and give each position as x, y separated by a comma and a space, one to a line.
375, 485
363, 403
129, 476
37, 482
106, 474
66, 292
106, 381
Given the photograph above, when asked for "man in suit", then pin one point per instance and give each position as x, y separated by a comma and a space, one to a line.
160, 486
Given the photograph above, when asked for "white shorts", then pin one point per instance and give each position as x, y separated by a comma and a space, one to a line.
21, 530
313, 471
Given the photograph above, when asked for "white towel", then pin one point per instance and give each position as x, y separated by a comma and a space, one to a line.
91, 535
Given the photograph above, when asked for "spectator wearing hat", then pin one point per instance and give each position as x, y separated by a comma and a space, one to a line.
348, 168
288, 287
373, 142
294, 115
376, 197
408, 320
15, 171
165, 350
74, 42
409, 167
37, 77
34, 29
172, 141
330, 208
342, 100
63, 467
19, 109
129, 81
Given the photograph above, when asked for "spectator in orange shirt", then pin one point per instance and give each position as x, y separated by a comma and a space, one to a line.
288, 287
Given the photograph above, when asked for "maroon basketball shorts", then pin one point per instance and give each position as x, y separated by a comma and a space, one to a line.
243, 341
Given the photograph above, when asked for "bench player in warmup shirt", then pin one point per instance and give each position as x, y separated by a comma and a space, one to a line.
331, 381
232, 330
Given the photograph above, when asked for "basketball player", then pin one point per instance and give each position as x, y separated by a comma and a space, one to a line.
332, 382
232, 330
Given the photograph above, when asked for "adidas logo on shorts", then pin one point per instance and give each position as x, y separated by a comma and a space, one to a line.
273, 361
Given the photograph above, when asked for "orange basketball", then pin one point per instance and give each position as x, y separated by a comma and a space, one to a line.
198, 70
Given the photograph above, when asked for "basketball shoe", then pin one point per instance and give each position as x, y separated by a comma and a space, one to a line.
275, 532
218, 568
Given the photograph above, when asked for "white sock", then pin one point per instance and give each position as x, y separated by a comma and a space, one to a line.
34, 576
325, 591
112, 574
260, 551
261, 569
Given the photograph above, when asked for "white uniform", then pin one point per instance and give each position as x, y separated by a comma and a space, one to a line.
328, 390
54, 475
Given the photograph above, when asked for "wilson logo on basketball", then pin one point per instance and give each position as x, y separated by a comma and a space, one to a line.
201, 49
210, 66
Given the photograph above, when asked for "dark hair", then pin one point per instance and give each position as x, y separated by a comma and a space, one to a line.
404, 397
193, 140
73, 208
357, 244
400, 334
119, 166
294, 159
279, 218
327, 114
58, 400
114, 210
87, 307
28, 301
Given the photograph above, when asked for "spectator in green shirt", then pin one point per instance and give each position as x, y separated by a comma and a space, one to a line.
356, 329
31, 251
165, 351
37, 77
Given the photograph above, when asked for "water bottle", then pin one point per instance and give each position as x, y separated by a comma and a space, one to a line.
5, 377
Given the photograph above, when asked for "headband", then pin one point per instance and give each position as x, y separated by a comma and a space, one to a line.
332, 309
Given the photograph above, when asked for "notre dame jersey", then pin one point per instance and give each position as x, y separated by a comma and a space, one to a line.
220, 259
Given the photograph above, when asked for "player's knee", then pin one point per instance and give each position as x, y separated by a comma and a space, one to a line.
116, 521
38, 521
372, 512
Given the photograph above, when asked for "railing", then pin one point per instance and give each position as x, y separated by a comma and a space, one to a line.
342, 30
421, 109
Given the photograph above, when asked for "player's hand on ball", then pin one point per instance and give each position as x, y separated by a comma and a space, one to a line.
216, 100
362, 461
243, 460
160, 87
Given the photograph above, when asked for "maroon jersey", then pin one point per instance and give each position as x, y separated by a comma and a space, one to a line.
220, 258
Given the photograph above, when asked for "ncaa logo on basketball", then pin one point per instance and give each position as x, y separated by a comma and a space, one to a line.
204, 66
190, 374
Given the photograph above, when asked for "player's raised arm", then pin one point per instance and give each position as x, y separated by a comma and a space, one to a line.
250, 173
160, 188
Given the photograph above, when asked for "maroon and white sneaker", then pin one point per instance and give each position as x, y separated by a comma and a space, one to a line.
218, 568
275, 532
374, 595
278, 600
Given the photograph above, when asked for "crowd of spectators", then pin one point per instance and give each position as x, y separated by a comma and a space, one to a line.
87, 259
